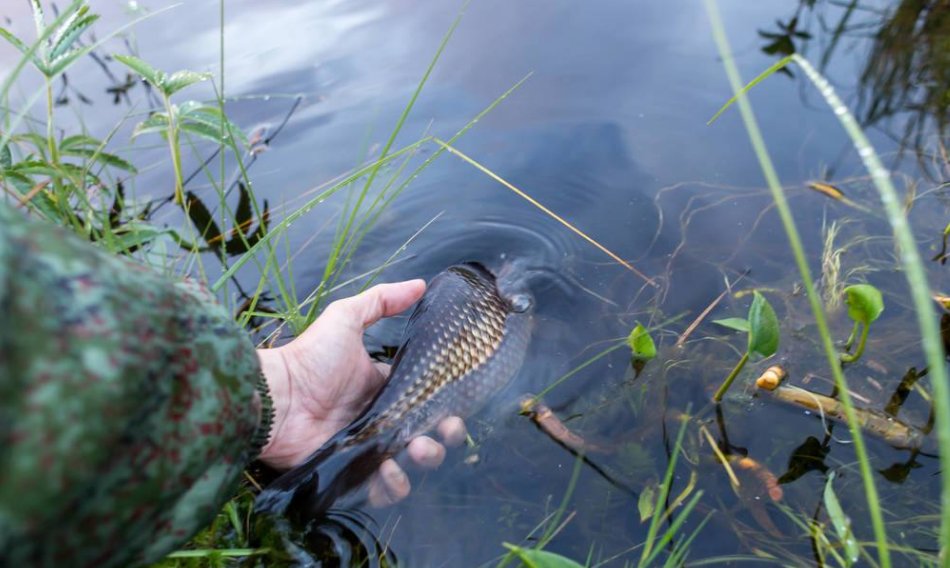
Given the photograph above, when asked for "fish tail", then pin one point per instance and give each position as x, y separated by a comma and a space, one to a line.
305, 478
333, 472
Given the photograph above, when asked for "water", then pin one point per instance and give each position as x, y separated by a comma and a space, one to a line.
610, 132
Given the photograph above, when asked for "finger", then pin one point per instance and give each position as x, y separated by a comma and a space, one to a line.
452, 431
426, 452
380, 301
389, 486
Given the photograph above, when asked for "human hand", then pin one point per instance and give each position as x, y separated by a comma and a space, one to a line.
324, 378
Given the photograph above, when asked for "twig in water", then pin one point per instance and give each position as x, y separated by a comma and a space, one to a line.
699, 319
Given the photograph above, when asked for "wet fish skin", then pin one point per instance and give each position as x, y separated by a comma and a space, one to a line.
465, 341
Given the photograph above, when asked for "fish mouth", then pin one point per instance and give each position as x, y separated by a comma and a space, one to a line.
511, 281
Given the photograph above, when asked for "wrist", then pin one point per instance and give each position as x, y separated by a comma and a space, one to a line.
276, 377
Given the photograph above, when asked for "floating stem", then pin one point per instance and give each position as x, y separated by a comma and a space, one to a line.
852, 357
850, 341
732, 376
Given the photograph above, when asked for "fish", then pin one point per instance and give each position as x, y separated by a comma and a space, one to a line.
465, 341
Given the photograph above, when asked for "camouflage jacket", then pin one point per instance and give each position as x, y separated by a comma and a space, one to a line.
128, 403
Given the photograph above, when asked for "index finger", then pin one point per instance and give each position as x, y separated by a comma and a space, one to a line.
382, 300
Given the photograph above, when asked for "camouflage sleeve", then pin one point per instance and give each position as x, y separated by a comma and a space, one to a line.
128, 404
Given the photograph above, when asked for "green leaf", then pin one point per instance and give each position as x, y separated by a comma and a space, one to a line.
647, 503
67, 20
39, 20
101, 157
134, 235
181, 79
156, 122
641, 343
17, 43
6, 158
209, 122
738, 324
78, 141
20, 181
62, 43
763, 327
840, 521
865, 303
540, 558
34, 167
38, 142
202, 130
149, 73
61, 63
79, 174
116, 162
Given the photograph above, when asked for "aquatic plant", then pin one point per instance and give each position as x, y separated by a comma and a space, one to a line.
865, 305
641, 344
671, 544
762, 329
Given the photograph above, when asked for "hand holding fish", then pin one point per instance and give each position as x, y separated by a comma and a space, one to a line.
323, 379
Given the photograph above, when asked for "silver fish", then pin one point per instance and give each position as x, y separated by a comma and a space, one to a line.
465, 340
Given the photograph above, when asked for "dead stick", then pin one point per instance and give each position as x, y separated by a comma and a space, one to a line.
892, 431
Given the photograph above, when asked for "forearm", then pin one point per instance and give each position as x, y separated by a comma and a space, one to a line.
127, 403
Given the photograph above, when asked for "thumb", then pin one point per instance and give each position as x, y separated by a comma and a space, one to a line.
382, 300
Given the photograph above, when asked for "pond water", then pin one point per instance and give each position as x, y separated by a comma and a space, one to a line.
609, 132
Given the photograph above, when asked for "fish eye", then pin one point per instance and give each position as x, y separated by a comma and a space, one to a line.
521, 303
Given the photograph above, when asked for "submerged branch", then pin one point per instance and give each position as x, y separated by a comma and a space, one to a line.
893, 431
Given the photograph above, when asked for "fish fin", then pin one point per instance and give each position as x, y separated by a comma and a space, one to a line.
333, 471
277, 496
336, 477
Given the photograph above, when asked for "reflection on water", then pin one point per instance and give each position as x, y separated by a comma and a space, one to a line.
908, 70
609, 132
904, 69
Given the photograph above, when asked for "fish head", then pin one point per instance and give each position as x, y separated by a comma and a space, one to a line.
513, 284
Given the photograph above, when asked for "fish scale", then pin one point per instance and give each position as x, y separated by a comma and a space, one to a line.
464, 342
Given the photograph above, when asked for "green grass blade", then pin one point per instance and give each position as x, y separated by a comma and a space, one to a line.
916, 280
319, 198
345, 235
219, 552
376, 208
761, 77
659, 512
795, 242
670, 533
